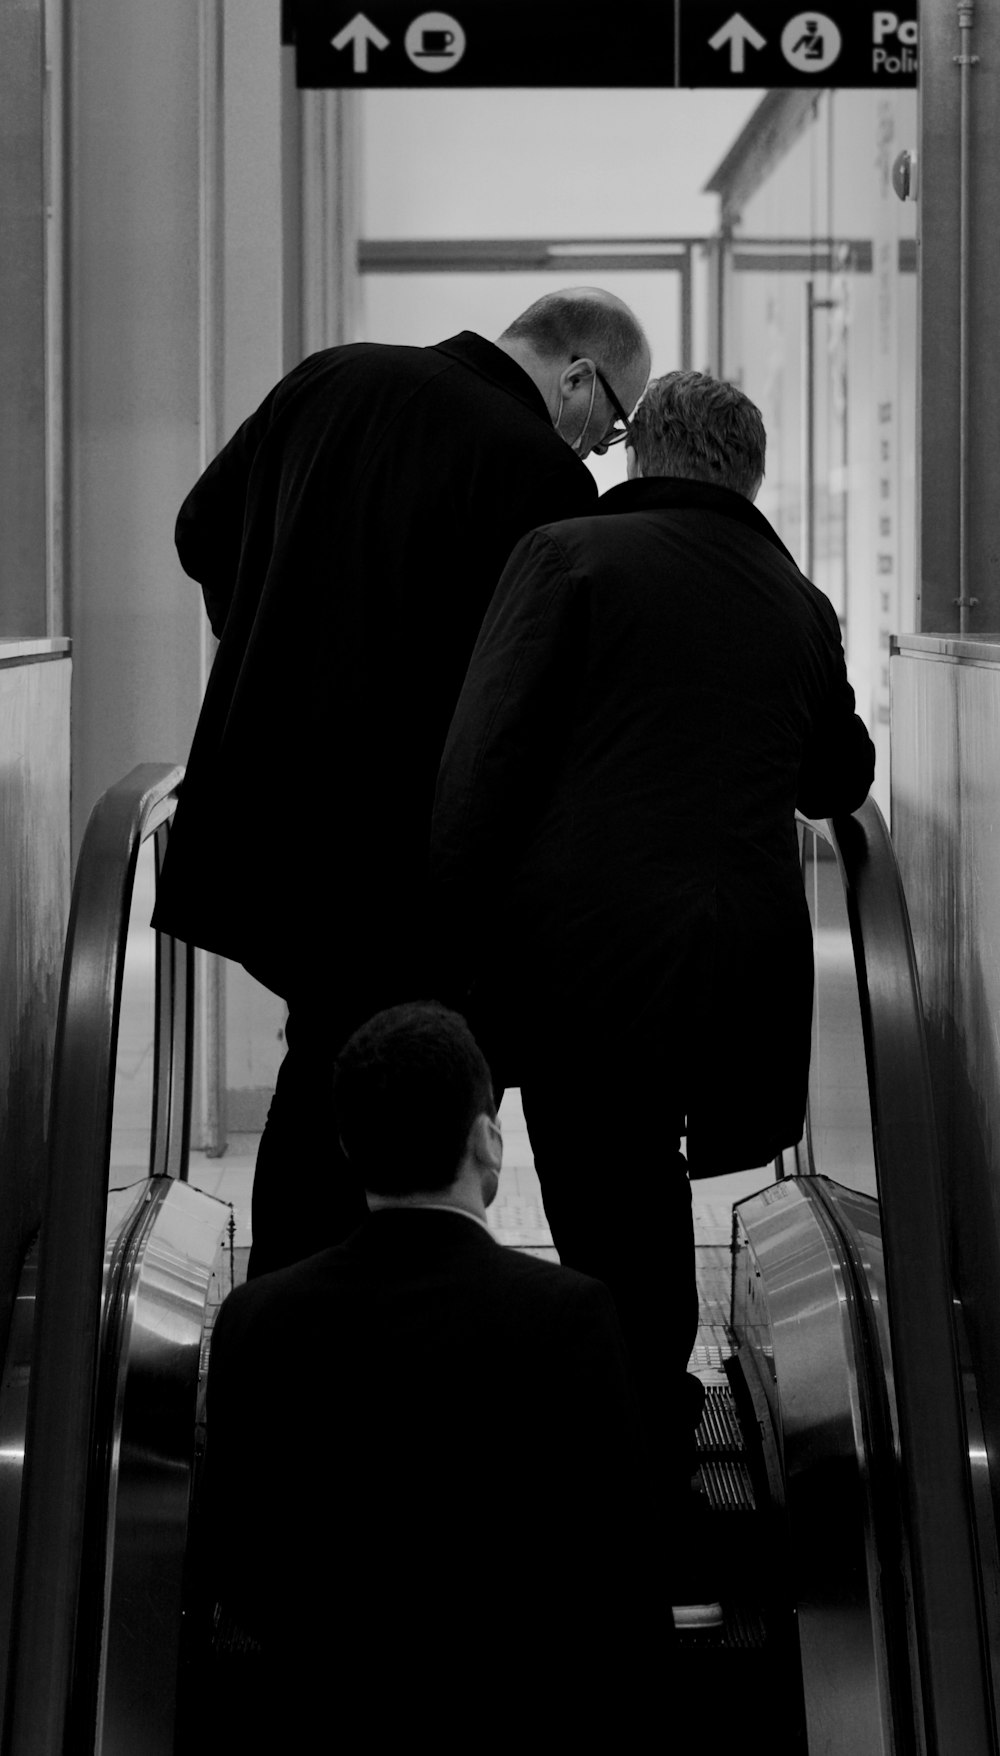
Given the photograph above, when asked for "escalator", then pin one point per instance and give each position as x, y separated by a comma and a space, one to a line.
100, 1385
840, 1451
856, 1454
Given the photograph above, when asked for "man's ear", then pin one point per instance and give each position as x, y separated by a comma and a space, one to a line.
486, 1143
576, 373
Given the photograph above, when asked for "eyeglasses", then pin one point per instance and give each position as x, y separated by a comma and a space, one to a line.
620, 430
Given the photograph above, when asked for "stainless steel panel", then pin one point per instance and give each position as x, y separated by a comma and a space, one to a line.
978, 649
14, 1410
34, 905
23, 573
160, 1322
946, 827
959, 333
13, 1416
792, 1307
839, 1123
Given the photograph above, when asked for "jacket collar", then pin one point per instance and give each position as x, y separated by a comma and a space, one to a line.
492, 363
678, 494
419, 1229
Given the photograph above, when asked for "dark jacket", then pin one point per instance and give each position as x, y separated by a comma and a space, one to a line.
425, 1466
654, 691
348, 540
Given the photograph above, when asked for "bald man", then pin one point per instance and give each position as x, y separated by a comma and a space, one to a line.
348, 540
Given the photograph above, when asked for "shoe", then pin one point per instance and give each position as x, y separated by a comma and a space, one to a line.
697, 1616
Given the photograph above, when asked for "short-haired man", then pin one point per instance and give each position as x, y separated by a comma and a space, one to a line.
348, 539
428, 1489
655, 689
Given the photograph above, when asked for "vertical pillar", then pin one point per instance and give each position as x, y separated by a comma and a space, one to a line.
949, 276
23, 576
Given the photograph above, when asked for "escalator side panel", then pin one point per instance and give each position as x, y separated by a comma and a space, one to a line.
791, 1310
161, 1323
13, 1418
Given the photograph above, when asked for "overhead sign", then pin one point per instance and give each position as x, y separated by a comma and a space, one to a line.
771, 43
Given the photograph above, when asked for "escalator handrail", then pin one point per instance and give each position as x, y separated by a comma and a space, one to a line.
954, 1666
58, 1436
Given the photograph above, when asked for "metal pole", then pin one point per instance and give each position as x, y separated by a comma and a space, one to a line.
808, 440
212, 1133
965, 62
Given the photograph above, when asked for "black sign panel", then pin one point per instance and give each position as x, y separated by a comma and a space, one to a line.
483, 43
643, 43
788, 45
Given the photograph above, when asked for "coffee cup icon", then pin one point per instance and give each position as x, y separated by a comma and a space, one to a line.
435, 42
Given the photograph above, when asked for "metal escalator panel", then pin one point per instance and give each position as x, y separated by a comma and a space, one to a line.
141, 1472
122, 1208
871, 1125
13, 1415
88, 1313
795, 1306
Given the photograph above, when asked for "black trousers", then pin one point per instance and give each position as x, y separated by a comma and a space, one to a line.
305, 1195
606, 1143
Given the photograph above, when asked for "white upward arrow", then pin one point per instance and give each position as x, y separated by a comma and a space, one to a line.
360, 32
737, 33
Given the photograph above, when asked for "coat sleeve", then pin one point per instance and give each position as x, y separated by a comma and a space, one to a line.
209, 529
838, 763
503, 746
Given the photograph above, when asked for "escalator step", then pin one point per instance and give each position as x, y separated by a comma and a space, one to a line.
727, 1485
743, 1629
719, 1429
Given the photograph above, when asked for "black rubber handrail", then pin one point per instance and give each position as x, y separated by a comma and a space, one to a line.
44, 1695
955, 1684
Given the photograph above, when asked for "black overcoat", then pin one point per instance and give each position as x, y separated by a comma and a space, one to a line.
425, 1459
347, 539
615, 869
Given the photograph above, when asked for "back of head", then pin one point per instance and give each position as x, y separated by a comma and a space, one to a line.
583, 322
689, 424
407, 1088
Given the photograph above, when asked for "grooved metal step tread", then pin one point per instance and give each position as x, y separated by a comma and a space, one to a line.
719, 1430
727, 1485
743, 1628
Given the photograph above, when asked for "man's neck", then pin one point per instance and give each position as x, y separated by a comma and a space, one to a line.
457, 1197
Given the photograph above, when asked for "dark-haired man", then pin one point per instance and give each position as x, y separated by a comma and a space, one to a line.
428, 1491
655, 689
348, 539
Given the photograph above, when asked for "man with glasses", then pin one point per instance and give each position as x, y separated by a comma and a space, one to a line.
655, 689
348, 540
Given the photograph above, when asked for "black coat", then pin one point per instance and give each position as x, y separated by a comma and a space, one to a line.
425, 1467
654, 691
348, 539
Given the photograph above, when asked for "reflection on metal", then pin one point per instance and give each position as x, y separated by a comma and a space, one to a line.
946, 826
48, 1711
813, 304
156, 1292
982, 1500
34, 905
951, 1658
795, 1306
13, 1414
839, 1135
173, 1046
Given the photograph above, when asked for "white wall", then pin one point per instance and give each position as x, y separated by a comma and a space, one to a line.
485, 164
